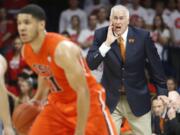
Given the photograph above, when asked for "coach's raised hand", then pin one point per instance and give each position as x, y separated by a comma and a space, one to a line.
111, 36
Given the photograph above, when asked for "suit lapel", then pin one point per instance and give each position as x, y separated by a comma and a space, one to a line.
130, 45
116, 49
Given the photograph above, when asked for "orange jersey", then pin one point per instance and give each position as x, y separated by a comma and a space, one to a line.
60, 114
43, 64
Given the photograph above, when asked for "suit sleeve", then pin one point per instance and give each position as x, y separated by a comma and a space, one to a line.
155, 66
94, 57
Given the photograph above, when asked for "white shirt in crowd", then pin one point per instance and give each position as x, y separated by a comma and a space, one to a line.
167, 17
104, 24
175, 25
140, 11
65, 19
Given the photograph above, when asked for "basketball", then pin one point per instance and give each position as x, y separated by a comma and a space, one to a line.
24, 116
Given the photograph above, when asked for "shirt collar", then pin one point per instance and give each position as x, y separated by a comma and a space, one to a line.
124, 35
164, 113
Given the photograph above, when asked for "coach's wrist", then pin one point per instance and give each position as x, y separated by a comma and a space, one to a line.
106, 43
104, 48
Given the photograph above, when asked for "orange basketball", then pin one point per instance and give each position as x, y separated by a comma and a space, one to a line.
24, 116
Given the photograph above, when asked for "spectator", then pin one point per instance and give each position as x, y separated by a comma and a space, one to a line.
86, 36
14, 5
140, 23
175, 49
158, 116
75, 28
173, 124
147, 4
159, 7
137, 11
85, 40
171, 84
94, 7
26, 90
161, 36
170, 8
7, 30
65, 17
90, 3
126, 3
15, 62
102, 17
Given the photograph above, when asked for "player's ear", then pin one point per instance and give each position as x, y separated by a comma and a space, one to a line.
42, 25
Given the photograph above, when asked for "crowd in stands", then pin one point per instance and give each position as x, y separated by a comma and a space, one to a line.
160, 17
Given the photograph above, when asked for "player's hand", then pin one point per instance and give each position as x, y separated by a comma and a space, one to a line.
40, 103
164, 98
34, 101
8, 131
111, 37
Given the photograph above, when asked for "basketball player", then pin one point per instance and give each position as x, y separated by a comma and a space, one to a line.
4, 104
76, 101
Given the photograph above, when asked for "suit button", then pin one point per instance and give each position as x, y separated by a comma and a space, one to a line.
123, 79
122, 68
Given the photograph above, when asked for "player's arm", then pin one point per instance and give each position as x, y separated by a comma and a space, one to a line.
14, 97
67, 56
42, 90
4, 104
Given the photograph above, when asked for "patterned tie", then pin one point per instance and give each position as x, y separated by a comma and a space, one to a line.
122, 52
122, 48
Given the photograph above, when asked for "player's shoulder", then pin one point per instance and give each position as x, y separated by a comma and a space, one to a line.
53, 39
66, 47
65, 52
51, 36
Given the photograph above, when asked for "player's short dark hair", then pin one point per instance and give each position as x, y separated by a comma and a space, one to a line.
34, 10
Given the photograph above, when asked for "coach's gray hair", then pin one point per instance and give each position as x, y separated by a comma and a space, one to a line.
119, 7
